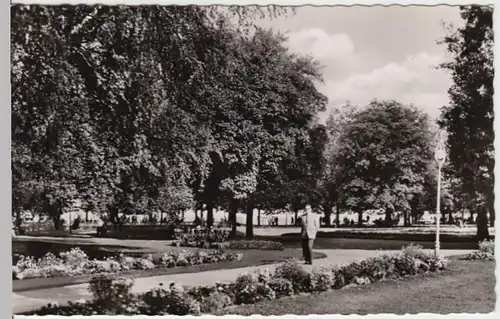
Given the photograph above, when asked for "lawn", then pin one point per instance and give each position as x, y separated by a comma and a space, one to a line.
38, 248
365, 243
466, 287
402, 236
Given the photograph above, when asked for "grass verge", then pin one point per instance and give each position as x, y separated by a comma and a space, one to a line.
364, 243
465, 287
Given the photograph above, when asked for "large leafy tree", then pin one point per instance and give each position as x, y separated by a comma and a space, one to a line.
468, 119
110, 104
385, 154
265, 112
330, 185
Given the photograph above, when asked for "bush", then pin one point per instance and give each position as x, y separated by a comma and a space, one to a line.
282, 287
296, 274
256, 244
201, 238
252, 288
76, 262
111, 293
322, 280
215, 302
288, 279
173, 300
486, 251
487, 246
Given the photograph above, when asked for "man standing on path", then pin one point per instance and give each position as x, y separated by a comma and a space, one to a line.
310, 226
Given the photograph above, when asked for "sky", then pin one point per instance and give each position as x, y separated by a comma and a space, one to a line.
374, 52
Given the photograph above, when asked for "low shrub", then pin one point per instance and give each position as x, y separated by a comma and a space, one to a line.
296, 274
487, 246
173, 300
322, 280
486, 251
215, 302
76, 262
256, 244
282, 287
249, 289
201, 238
111, 293
286, 280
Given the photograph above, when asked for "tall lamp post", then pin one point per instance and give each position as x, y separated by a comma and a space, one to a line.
439, 156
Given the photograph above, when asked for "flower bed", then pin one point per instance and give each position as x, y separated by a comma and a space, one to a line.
254, 244
486, 251
218, 239
201, 238
288, 279
76, 262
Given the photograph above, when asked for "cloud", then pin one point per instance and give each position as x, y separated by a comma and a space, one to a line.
319, 44
412, 81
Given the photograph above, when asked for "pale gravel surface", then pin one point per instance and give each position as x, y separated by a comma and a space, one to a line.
32, 300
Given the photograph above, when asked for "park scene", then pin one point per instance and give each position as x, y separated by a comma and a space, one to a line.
269, 160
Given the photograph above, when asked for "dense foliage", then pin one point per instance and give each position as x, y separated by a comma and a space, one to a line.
468, 119
384, 158
139, 108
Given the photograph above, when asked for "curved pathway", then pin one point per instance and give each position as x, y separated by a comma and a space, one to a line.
35, 299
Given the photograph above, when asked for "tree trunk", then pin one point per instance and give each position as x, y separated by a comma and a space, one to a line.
328, 213
337, 215
482, 224
258, 217
249, 223
69, 222
388, 214
210, 214
56, 219
55, 215
86, 216
360, 218
405, 218
113, 214
296, 216
233, 209
491, 210
19, 222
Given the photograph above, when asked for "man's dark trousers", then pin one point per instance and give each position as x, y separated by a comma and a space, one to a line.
307, 246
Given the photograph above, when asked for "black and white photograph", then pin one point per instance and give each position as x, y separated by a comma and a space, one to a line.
252, 159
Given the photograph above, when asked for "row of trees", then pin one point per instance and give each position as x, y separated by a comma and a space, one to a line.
381, 156
133, 109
